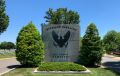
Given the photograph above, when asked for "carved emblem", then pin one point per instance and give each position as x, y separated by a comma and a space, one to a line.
60, 40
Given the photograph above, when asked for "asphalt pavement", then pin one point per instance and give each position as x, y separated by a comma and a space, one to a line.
112, 62
8, 64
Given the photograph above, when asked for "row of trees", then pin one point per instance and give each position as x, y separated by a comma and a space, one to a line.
7, 45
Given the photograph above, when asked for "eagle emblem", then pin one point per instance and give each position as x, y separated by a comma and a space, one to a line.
60, 40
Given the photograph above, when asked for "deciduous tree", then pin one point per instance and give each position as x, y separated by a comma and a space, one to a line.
62, 16
111, 41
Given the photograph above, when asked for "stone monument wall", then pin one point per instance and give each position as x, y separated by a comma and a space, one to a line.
61, 42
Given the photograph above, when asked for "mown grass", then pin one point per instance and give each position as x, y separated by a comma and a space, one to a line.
94, 72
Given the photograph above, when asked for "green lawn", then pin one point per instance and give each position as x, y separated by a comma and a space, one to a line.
7, 54
29, 72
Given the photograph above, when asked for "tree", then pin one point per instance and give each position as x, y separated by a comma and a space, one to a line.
3, 45
29, 46
91, 51
10, 45
62, 16
4, 19
111, 41
118, 41
7, 45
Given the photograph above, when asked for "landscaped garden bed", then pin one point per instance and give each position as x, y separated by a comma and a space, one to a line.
61, 67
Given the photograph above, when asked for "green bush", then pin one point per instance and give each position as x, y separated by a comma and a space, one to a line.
29, 46
60, 66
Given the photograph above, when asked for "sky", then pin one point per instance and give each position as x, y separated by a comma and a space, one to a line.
104, 13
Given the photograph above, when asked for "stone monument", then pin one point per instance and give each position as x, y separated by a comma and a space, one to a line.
61, 42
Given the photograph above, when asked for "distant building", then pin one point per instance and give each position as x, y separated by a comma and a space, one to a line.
61, 42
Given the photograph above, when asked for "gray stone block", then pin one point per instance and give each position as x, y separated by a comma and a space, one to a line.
61, 42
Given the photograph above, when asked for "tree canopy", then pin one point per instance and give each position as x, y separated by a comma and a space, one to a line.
4, 19
7, 45
111, 41
62, 16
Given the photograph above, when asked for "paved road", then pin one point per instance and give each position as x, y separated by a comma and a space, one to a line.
7, 64
112, 62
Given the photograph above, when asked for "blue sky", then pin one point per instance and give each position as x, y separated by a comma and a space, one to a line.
104, 13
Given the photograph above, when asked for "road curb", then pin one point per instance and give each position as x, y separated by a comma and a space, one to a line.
6, 71
62, 72
7, 58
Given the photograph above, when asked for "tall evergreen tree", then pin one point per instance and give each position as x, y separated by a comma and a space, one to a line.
29, 46
91, 51
62, 16
4, 19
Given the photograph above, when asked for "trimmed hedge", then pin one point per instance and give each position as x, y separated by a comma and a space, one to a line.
60, 66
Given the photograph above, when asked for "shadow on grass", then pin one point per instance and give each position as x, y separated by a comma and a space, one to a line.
115, 72
19, 66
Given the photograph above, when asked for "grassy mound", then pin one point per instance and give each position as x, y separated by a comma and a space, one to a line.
60, 66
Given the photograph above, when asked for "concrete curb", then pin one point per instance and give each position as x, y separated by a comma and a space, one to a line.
6, 71
62, 72
7, 58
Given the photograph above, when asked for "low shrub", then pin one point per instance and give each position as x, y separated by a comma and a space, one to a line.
60, 66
